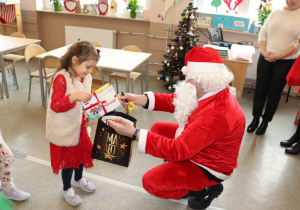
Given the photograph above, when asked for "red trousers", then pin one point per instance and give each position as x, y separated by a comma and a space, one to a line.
174, 179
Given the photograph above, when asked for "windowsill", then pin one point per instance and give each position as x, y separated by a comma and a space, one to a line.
124, 16
233, 31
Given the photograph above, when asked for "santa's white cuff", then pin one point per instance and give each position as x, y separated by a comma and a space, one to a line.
142, 141
151, 100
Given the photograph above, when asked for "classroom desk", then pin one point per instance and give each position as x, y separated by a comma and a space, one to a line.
113, 60
239, 70
10, 44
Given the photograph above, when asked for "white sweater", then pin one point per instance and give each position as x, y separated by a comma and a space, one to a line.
63, 128
282, 30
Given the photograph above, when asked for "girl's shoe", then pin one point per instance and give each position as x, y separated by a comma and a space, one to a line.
16, 194
84, 184
72, 198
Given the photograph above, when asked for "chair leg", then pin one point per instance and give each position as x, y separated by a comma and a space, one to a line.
29, 88
288, 94
15, 76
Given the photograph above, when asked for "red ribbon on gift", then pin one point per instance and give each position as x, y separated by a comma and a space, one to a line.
99, 102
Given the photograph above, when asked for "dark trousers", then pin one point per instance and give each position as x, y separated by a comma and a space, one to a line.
66, 175
270, 82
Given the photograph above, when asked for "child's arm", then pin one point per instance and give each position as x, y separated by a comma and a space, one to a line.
80, 96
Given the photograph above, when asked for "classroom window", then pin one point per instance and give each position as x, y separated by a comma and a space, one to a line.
246, 9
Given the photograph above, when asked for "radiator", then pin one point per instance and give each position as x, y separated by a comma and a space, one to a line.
251, 70
106, 38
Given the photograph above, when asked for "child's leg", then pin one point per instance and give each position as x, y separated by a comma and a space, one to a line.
68, 192
82, 182
66, 175
78, 173
6, 160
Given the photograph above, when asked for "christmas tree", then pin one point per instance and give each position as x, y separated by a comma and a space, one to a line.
78, 7
186, 37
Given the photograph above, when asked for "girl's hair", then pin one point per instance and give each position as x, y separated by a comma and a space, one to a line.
83, 50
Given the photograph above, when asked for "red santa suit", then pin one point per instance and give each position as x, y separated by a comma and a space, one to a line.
208, 142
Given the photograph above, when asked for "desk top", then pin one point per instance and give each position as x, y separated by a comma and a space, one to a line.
114, 59
8, 43
230, 59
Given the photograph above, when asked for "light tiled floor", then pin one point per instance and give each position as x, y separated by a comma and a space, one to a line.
265, 179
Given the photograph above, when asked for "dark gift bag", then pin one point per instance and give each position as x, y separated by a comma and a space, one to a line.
110, 146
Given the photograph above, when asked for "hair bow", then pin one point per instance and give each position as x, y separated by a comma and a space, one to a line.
98, 51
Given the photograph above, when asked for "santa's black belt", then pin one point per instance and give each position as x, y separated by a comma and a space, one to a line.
210, 176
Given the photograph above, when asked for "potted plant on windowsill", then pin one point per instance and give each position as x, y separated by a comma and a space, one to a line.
57, 4
133, 7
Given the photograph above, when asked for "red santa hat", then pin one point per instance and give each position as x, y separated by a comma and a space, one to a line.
205, 66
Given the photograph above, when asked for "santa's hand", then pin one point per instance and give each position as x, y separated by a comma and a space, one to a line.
125, 98
122, 127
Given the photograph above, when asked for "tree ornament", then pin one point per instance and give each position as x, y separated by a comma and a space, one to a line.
158, 78
78, 7
168, 50
176, 39
181, 48
167, 79
172, 48
169, 88
168, 64
169, 44
174, 86
165, 61
192, 17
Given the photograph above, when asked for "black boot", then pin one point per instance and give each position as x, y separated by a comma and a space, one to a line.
253, 125
290, 142
262, 128
203, 200
293, 150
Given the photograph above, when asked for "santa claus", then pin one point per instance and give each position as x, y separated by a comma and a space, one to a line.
202, 148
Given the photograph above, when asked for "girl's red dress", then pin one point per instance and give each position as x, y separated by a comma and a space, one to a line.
63, 157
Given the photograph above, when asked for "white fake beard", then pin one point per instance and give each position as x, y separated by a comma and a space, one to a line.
185, 102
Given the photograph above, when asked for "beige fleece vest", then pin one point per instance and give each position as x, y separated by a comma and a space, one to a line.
63, 128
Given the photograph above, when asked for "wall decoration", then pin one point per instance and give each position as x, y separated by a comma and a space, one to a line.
103, 7
204, 19
265, 3
70, 5
216, 4
228, 3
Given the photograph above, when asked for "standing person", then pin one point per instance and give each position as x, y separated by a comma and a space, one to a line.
279, 48
292, 143
66, 124
7, 184
293, 79
202, 149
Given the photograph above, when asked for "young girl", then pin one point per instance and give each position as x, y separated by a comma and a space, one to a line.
66, 124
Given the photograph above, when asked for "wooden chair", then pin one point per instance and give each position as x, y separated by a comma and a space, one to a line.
133, 75
98, 78
96, 44
50, 64
12, 58
30, 52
